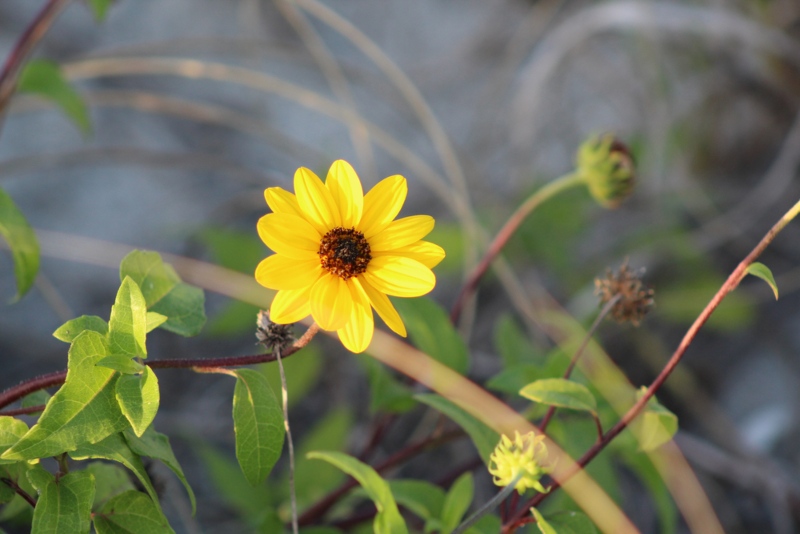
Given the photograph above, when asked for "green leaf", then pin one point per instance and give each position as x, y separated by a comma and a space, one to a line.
65, 507
544, 526
70, 330
127, 326
762, 271
571, 522
138, 398
258, 424
484, 438
11, 431
388, 519
512, 343
562, 393
122, 363
655, 425
422, 498
164, 292
109, 480
84, 410
115, 448
44, 78
21, 241
431, 331
131, 512
154, 320
457, 502
249, 502
99, 8
387, 394
314, 480
156, 445
513, 378
488, 524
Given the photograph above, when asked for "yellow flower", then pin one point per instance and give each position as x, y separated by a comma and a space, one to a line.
521, 458
339, 253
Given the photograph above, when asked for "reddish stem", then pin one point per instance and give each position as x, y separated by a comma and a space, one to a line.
21, 492
730, 284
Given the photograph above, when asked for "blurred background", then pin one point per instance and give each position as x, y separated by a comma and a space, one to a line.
197, 105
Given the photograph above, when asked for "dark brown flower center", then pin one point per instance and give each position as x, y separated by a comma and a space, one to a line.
344, 252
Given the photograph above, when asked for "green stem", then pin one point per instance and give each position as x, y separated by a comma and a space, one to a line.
488, 506
547, 191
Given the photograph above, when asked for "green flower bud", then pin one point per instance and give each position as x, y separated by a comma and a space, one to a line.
607, 168
522, 458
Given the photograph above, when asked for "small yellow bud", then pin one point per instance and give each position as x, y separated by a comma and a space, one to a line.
606, 166
522, 456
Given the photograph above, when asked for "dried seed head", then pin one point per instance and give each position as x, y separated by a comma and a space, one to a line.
634, 301
607, 167
270, 334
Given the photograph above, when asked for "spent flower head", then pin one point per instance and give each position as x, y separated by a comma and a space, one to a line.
606, 166
340, 253
522, 457
635, 299
272, 335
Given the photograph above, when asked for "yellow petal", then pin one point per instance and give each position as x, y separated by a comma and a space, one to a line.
399, 276
402, 232
289, 235
280, 272
282, 201
316, 201
331, 302
345, 187
382, 204
427, 253
290, 306
357, 333
384, 307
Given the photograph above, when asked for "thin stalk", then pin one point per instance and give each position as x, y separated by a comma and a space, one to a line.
21, 492
600, 316
198, 364
285, 399
729, 285
488, 506
504, 235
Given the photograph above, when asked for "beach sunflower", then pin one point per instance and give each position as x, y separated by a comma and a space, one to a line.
340, 253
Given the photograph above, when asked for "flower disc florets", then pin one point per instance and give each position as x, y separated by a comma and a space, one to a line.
523, 457
345, 253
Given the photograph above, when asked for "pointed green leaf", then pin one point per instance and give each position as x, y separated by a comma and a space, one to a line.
762, 271
84, 410
655, 425
122, 363
70, 330
130, 513
21, 241
154, 320
65, 507
109, 480
258, 424
138, 399
156, 445
388, 519
431, 331
127, 326
562, 393
484, 438
422, 498
571, 522
457, 502
44, 78
513, 378
164, 292
116, 448
541, 522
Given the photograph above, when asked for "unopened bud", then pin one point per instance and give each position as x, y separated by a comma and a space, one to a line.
607, 168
